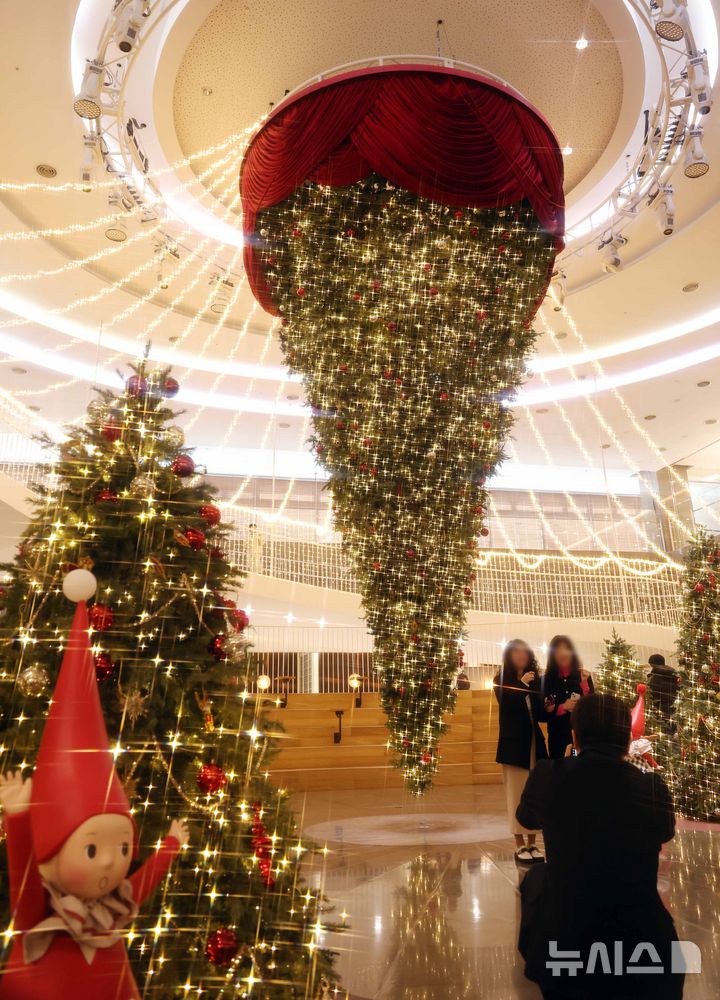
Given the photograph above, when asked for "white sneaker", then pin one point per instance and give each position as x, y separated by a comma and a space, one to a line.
524, 856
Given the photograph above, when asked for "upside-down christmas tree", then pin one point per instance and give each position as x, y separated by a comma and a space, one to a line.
176, 682
694, 749
407, 308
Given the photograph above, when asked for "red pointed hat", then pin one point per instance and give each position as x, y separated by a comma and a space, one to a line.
75, 776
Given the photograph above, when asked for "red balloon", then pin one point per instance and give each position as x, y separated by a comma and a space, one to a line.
136, 386
221, 947
210, 514
195, 537
104, 666
111, 431
211, 779
183, 466
106, 495
101, 617
171, 387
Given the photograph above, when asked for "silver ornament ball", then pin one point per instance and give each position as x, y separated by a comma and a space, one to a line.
96, 409
33, 680
141, 487
175, 437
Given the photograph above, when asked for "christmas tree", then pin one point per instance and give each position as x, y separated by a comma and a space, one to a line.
694, 757
409, 322
619, 672
176, 680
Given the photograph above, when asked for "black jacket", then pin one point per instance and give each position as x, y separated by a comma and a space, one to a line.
604, 822
518, 720
663, 685
560, 688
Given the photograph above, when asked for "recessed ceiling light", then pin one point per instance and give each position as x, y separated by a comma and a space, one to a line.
650, 416
692, 287
662, 449
173, 340
284, 423
712, 420
207, 91
19, 371
567, 151
703, 385
581, 44
45, 170
292, 395
35, 409
603, 446
542, 410
560, 336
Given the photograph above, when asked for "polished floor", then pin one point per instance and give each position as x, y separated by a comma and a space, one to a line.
429, 891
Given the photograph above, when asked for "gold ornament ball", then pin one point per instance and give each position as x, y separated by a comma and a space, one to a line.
33, 680
141, 487
97, 410
175, 437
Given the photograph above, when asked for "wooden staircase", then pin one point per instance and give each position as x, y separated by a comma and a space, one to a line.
310, 760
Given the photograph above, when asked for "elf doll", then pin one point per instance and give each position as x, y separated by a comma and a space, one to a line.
70, 841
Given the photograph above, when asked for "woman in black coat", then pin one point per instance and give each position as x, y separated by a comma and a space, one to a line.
520, 742
564, 683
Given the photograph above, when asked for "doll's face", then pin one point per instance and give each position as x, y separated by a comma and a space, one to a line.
94, 859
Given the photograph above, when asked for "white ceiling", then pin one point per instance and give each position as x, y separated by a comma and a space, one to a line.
249, 53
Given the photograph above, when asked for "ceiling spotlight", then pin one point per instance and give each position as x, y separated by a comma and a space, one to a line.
87, 102
699, 82
567, 151
696, 163
671, 19
128, 26
117, 231
558, 291
665, 208
612, 261
581, 44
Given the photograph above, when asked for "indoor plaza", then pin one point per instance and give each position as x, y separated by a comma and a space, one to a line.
360, 495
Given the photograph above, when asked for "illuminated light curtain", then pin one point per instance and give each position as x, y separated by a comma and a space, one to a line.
404, 224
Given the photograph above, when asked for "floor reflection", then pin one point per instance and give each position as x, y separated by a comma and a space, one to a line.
435, 919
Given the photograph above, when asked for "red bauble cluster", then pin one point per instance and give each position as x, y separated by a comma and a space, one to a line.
183, 466
239, 619
111, 431
216, 646
195, 538
171, 387
262, 845
221, 947
136, 386
104, 666
210, 514
101, 617
211, 779
106, 495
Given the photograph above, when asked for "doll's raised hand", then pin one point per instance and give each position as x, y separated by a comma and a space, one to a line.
15, 792
179, 830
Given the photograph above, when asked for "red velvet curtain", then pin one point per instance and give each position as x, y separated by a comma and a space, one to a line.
455, 139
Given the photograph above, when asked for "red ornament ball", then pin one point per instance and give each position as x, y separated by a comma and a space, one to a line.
426, 758
459, 213
195, 537
106, 495
699, 588
210, 514
434, 290
136, 386
216, 646
484, 532
239, 619
111, 431
211, 779
171, 387
301, 292
392, 325
216, 552
104, 666
221, 947
183, 466
101, 617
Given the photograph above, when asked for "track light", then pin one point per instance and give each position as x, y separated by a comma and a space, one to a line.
612, 261
672, 20
117, 231
89, 162
87, 102
699, 83
696, 163
129, 25
665, 208
558, 291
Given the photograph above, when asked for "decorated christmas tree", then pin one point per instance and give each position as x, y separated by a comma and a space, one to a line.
694, 758
176, 680
619, 672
